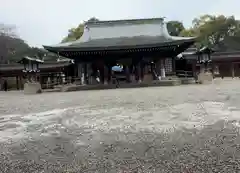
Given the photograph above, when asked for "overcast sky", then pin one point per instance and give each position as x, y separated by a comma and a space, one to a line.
46, 22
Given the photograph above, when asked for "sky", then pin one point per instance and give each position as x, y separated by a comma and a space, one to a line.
46, 22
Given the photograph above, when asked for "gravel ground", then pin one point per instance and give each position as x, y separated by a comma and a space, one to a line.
187, 129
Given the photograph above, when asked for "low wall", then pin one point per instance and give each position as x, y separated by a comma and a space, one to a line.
32, 88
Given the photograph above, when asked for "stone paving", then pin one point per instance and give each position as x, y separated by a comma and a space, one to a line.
192, 128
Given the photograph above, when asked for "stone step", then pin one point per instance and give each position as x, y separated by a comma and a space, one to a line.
187, 80
126, 85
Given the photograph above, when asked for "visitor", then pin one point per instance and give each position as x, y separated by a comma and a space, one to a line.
115, 79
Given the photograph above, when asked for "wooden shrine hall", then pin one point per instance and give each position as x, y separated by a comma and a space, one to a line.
143, 46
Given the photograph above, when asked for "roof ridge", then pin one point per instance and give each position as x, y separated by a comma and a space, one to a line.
125, 21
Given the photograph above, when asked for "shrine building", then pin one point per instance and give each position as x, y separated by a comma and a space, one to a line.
143, 46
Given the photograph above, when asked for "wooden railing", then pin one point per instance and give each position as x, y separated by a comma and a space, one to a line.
53, 84
72, 80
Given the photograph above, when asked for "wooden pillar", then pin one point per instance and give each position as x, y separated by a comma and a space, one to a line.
133, 73
213, 67
88, 73
127, 63
194, 70
127, 74
158, 67
163, 72
17, 82
105, 74
139, 72
85, 72
232, 70
152, 71
79, 73
174, 66
109, 68
20, 81
66, 73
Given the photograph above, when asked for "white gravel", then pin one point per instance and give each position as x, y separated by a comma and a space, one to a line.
94, 120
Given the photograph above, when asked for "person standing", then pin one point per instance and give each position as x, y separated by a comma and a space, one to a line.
115, 79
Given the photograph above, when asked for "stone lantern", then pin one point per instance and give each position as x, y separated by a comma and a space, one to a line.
204, 58
31, 68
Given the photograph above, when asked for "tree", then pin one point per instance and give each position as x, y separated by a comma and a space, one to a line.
10, 44
212, 30
93, 19
175, 28
190, 32
7, 30
76, 33
14, 48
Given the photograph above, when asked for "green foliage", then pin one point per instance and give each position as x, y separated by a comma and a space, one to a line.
213, 30
93, 19
14, 48
11, 47
175, 28
76, 33
190, 32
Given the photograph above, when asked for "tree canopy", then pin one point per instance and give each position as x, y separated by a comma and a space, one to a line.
175, 28
10, 44
213, 30
14, 48
76, 33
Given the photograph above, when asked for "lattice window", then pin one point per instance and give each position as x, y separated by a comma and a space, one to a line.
168, 65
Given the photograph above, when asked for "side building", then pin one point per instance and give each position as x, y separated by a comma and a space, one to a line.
226, 63
193, 61
48, 73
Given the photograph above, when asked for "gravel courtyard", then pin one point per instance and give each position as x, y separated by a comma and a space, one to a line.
182, 129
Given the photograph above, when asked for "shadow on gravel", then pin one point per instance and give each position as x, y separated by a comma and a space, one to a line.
216, 148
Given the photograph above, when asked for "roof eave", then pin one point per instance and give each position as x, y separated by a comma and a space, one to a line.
30, 59
72, 48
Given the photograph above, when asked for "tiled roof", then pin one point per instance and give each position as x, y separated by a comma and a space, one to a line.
226, 55
46, 65
106, 35
191, 53
30, 59
123, 42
